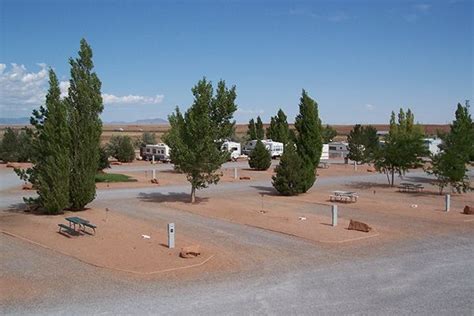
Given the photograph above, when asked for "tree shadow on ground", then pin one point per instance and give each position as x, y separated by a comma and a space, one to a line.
418, 179
158, 197
23, 208
367, 185
266, 190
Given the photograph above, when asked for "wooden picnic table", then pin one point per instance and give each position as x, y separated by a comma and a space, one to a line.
410, 187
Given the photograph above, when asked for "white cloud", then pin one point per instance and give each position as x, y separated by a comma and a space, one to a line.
249, 111
21, 91
369, 107
131, 99
335, 17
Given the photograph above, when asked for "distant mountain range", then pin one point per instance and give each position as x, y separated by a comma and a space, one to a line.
26, 121
14, 120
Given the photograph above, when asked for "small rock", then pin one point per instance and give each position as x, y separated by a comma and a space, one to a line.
190, 251
469, 210
13, 165
155, 181
363, 227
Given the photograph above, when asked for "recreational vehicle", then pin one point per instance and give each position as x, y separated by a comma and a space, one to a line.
325, 152
161, 152
275, 148
432, 145
233, 148
338, 149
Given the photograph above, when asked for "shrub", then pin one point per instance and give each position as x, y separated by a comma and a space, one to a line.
121, 148
260, 158
292, 175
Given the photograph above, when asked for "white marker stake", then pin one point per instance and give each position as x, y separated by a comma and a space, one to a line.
448, 202
334, 215
235, 173
153, 159
154, 174
171, 235
355, 165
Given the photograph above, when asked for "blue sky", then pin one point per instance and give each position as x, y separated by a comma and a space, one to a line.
358, 59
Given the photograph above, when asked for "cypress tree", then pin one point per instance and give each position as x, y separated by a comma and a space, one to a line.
260, 133
9, 148
52, 163
309, 144
279, 130
260, 158
290, 177
84, 103
251, 131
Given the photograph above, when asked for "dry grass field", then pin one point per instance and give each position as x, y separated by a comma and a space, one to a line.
135, 131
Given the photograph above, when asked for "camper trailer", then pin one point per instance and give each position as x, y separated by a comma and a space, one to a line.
432, 145
233, 148
275, 148
338, 149
325, 152
161, 152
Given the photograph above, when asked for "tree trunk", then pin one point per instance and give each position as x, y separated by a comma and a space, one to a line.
193, 194
393, 175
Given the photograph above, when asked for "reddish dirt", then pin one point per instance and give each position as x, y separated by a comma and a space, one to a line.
118, 243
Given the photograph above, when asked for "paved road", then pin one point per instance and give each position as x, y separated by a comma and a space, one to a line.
431, 274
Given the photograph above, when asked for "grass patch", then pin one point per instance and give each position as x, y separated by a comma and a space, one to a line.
113, 177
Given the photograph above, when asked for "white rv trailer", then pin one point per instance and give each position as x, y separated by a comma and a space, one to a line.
338, 149
275, 148
432, 145
233, 148
325, 152
160, 151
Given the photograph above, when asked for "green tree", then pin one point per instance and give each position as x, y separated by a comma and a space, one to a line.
290, 177
222, 111
148, 139
103, 159
192, 139
259, 129
251, 130
84, 103
9, 147
363, 143
308, 138
403, 148
51, 161
16, 145
278, 129
121, 148
260, 158
449, 166
328, 133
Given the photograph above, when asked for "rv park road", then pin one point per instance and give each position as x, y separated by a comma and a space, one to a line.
428, 274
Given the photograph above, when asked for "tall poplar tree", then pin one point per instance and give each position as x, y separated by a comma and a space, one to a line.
84, 103
251, 130
278, 129
259, 129
309, 142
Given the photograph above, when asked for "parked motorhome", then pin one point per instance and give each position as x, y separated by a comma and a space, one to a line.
338, 149
432, 145
325, 152
233, 148
275, 148
161, 152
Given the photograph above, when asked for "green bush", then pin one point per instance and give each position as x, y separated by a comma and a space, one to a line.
103, 159
16, 145
121, 148
260, 158
292, 175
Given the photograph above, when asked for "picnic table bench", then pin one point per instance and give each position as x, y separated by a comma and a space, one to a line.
80, 222
410, 187
343, 196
